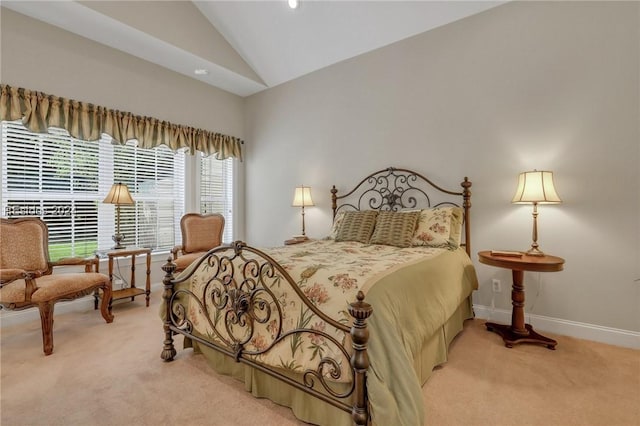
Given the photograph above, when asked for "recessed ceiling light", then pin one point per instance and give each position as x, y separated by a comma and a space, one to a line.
201, 71
293, 4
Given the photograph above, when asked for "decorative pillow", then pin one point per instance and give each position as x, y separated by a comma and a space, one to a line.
457, 218
357, 226
395, 228
439, 227
337, 221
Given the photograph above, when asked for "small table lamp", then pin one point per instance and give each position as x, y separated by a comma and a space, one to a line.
535, 188
302, 198
118, 195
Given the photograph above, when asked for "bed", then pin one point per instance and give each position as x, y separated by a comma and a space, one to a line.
343, 330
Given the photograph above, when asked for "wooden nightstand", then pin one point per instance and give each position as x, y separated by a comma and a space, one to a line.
132, 291
518, 331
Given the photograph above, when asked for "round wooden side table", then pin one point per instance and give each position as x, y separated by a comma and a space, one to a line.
518, 331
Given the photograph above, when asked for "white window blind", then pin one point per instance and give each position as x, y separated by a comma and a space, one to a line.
216, 191
64, 180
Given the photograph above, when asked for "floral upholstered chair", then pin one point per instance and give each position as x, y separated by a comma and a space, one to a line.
200, 233
26, 278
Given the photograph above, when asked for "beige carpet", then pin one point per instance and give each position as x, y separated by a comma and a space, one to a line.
111, 374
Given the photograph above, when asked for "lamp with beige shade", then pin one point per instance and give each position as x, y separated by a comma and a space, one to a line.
302, 198
119, 195
536, 187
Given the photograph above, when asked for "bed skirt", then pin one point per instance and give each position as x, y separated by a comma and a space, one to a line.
312, 410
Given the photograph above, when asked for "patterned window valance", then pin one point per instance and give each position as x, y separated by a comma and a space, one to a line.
39, 111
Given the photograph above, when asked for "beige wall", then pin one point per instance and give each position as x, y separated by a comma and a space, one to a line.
546, 85
42, 57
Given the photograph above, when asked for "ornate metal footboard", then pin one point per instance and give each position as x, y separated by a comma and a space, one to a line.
239, 297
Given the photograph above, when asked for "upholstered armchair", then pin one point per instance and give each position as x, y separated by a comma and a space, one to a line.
200, 233
27, 279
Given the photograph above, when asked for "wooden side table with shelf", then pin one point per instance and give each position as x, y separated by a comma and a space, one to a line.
518, 331
132, 291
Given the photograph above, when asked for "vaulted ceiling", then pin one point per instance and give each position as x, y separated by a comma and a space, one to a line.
247, 46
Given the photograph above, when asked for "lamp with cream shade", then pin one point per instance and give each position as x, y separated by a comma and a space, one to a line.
302, 198
535, 187
119, 195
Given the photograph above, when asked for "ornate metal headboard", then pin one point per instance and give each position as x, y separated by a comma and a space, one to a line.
395, 189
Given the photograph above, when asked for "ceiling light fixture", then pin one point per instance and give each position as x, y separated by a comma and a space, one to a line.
293, 4
201, 71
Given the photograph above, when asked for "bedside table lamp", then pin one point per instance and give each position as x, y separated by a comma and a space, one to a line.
302, 198
535, 188
118, 195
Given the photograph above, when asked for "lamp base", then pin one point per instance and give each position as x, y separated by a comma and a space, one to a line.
117, 238
534, 251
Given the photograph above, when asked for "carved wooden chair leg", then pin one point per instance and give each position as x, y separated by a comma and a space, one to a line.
105, 306
46, 319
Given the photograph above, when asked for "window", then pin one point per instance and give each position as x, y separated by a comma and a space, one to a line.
64, 180
216, 190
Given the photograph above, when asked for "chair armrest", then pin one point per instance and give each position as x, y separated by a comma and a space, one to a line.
90, 264
176, 250
71, 261
9, 275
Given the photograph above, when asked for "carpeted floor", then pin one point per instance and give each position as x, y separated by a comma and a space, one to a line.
581, 383
111, 374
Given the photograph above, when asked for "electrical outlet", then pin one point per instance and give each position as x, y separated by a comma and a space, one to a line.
497, 288
118, 283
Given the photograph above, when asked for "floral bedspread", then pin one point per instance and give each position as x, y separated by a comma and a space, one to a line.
329, 274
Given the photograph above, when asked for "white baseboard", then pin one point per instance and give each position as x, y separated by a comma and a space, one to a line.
10, 318
580, 330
